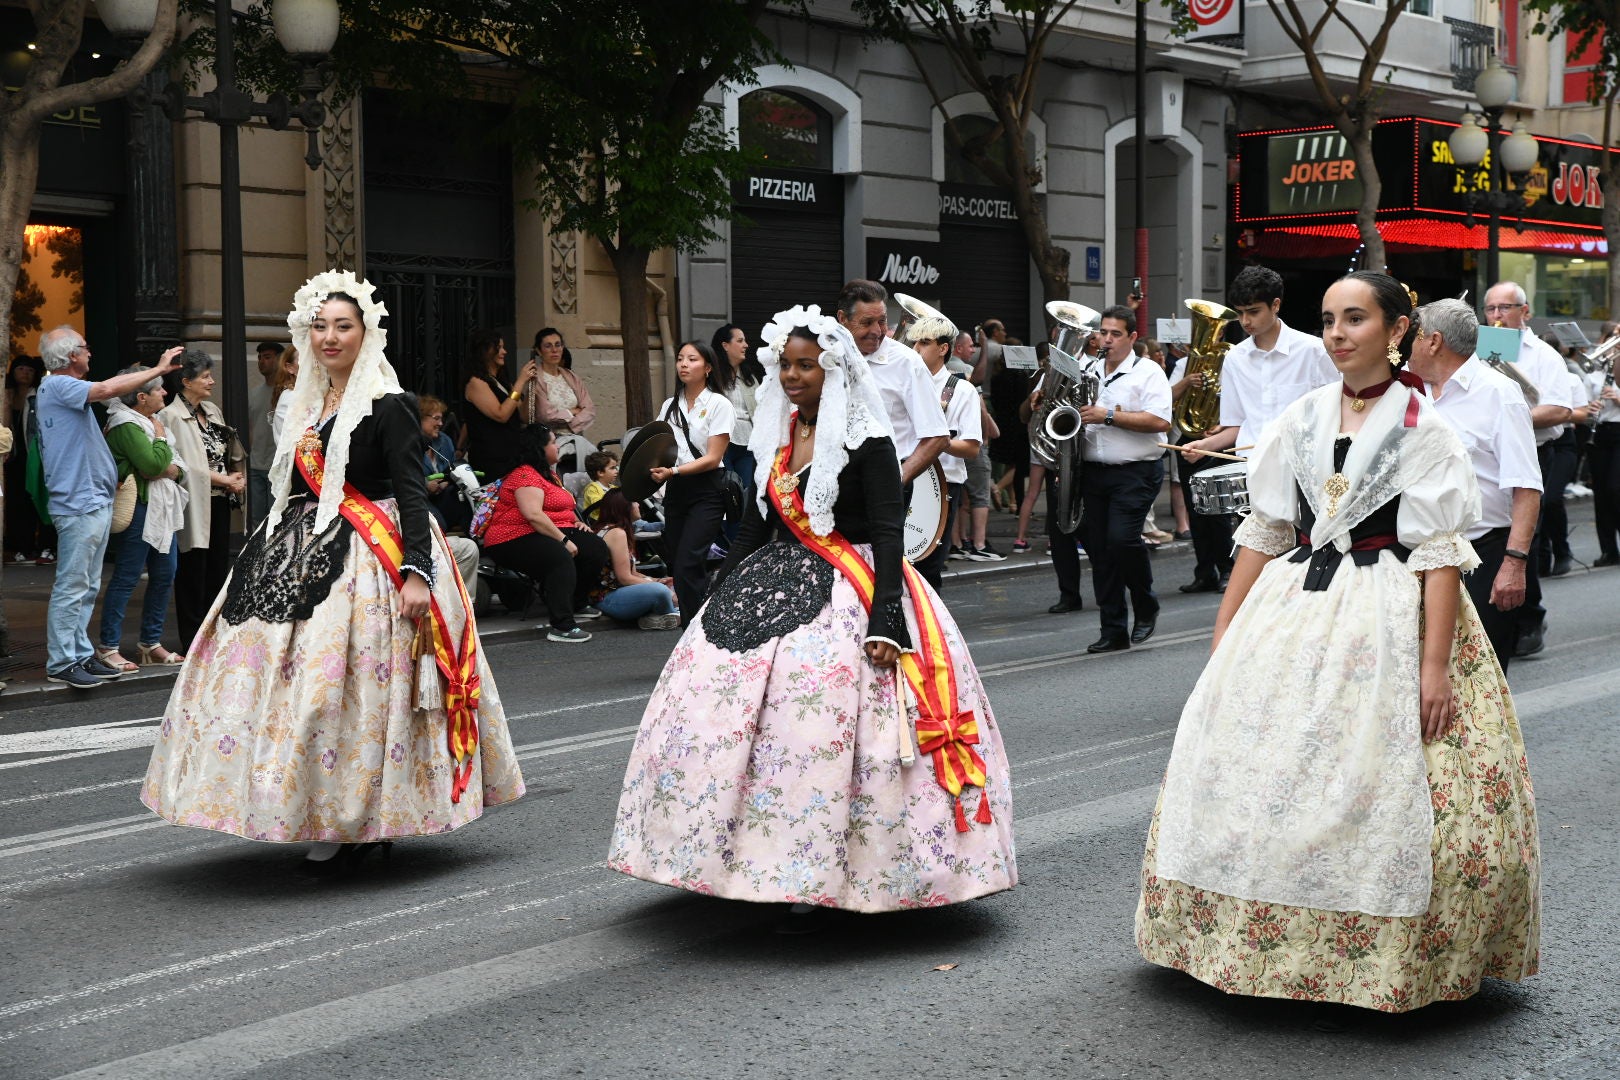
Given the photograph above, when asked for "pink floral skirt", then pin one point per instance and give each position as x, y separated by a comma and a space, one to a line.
773, 774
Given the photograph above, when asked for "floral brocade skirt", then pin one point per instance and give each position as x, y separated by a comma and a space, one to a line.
295, 717
1483, 917
767, 765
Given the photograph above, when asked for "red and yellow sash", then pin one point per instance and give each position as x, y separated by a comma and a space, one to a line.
944, 731
458, 666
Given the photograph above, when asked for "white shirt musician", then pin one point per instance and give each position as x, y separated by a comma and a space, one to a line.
1488, 412
1538, 362
901, 377
1120, 480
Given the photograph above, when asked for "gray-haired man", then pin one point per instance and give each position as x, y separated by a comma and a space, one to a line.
81, 478
1488, 411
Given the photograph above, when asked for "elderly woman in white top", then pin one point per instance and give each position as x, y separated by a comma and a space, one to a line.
215, 476
140, 448
694, 500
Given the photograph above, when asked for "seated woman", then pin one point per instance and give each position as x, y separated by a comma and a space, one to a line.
776, 761
627, 594
535, 531
1347, 814
494, 417
438, 458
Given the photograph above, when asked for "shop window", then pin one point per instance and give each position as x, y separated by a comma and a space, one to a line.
1561, 287
791, 132
50, 285
1580, 67
959, 170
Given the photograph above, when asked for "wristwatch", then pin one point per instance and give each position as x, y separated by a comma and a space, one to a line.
1108, 418
675, 470
1522, 556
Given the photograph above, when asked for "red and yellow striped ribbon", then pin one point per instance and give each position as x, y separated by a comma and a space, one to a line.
944, 732
457, 665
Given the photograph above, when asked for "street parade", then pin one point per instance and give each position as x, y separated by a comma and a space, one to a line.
517, 552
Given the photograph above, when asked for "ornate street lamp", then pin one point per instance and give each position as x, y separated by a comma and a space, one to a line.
1495, 87
307, 30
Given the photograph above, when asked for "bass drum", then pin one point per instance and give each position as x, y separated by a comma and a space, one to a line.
926, 513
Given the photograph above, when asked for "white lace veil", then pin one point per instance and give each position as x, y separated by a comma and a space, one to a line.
850, 412
371, 378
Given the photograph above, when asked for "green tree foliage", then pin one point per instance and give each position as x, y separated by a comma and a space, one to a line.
608, 108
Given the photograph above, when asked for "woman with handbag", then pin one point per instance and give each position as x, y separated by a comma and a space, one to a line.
695, 490
211, 456
141, 450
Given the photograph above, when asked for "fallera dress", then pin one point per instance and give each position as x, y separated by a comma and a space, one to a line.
767, 765
1307, 844
296, 715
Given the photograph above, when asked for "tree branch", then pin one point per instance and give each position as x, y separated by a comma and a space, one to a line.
127, 76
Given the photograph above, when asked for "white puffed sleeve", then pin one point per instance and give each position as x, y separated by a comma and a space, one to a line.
1269, 527
1438, 510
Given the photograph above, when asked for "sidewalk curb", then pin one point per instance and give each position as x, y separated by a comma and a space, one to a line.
32, 693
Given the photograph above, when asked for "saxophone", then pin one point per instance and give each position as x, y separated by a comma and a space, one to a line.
1200, 407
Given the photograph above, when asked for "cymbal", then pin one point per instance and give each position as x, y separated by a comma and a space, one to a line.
652, 445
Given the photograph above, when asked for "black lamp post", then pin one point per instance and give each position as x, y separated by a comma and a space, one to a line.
307, 29
1495, 87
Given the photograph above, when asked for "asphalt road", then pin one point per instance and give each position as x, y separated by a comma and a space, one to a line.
133, 948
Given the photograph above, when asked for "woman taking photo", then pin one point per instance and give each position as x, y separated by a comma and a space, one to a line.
337, 694
1347, 815
776, 759
140, 448
494, 413
626, 594
211, 457
559, 399
534, 531
694, 500
730, 346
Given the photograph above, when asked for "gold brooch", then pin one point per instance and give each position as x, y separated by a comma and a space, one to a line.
1337, 486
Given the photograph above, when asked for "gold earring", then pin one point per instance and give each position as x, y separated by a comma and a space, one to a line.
1394, 355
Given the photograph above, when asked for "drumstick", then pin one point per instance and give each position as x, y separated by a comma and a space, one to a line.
1235, 449
1207, 453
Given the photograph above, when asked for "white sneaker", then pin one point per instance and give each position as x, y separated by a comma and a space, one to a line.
669, 621
1577, 491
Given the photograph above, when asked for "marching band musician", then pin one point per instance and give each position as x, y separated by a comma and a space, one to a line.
1605, 452
1121, 479
1507, 305
933, 340
1488, 411
903, 382
1261, 376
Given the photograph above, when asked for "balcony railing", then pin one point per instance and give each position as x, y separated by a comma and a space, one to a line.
1471, 44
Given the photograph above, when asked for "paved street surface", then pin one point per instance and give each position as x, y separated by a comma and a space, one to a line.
137, 949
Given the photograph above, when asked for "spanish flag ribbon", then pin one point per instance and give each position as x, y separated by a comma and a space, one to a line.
456, 660
943, 732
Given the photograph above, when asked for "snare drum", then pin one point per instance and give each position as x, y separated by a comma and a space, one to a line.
1224, 490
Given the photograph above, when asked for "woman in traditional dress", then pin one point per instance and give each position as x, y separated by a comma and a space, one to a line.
1347, 813
777, 759
336, 693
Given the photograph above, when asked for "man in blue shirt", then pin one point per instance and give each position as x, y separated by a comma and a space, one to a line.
81, 479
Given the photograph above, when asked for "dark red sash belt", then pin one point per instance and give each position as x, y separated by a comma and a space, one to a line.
1363, 552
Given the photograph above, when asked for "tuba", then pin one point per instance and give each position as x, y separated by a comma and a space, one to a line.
1068, 385
916, 311
1200, 407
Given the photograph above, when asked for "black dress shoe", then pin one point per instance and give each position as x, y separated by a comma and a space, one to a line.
1108, 645
1064, 606
1530, 642
1143, 630
1606, 560
1560, 566
1202, 585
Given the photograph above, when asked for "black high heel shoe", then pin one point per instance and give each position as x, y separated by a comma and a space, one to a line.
348, 859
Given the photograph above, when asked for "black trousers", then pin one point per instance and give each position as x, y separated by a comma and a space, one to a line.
200, 573
1502, 627
1557, 471
565, 580
1065, 558
1117, 501
932, 568
1604, 454
1211, 533
1531, 614
694, 512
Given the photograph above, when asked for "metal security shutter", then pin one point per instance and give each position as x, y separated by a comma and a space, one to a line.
985, 272
782, 258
